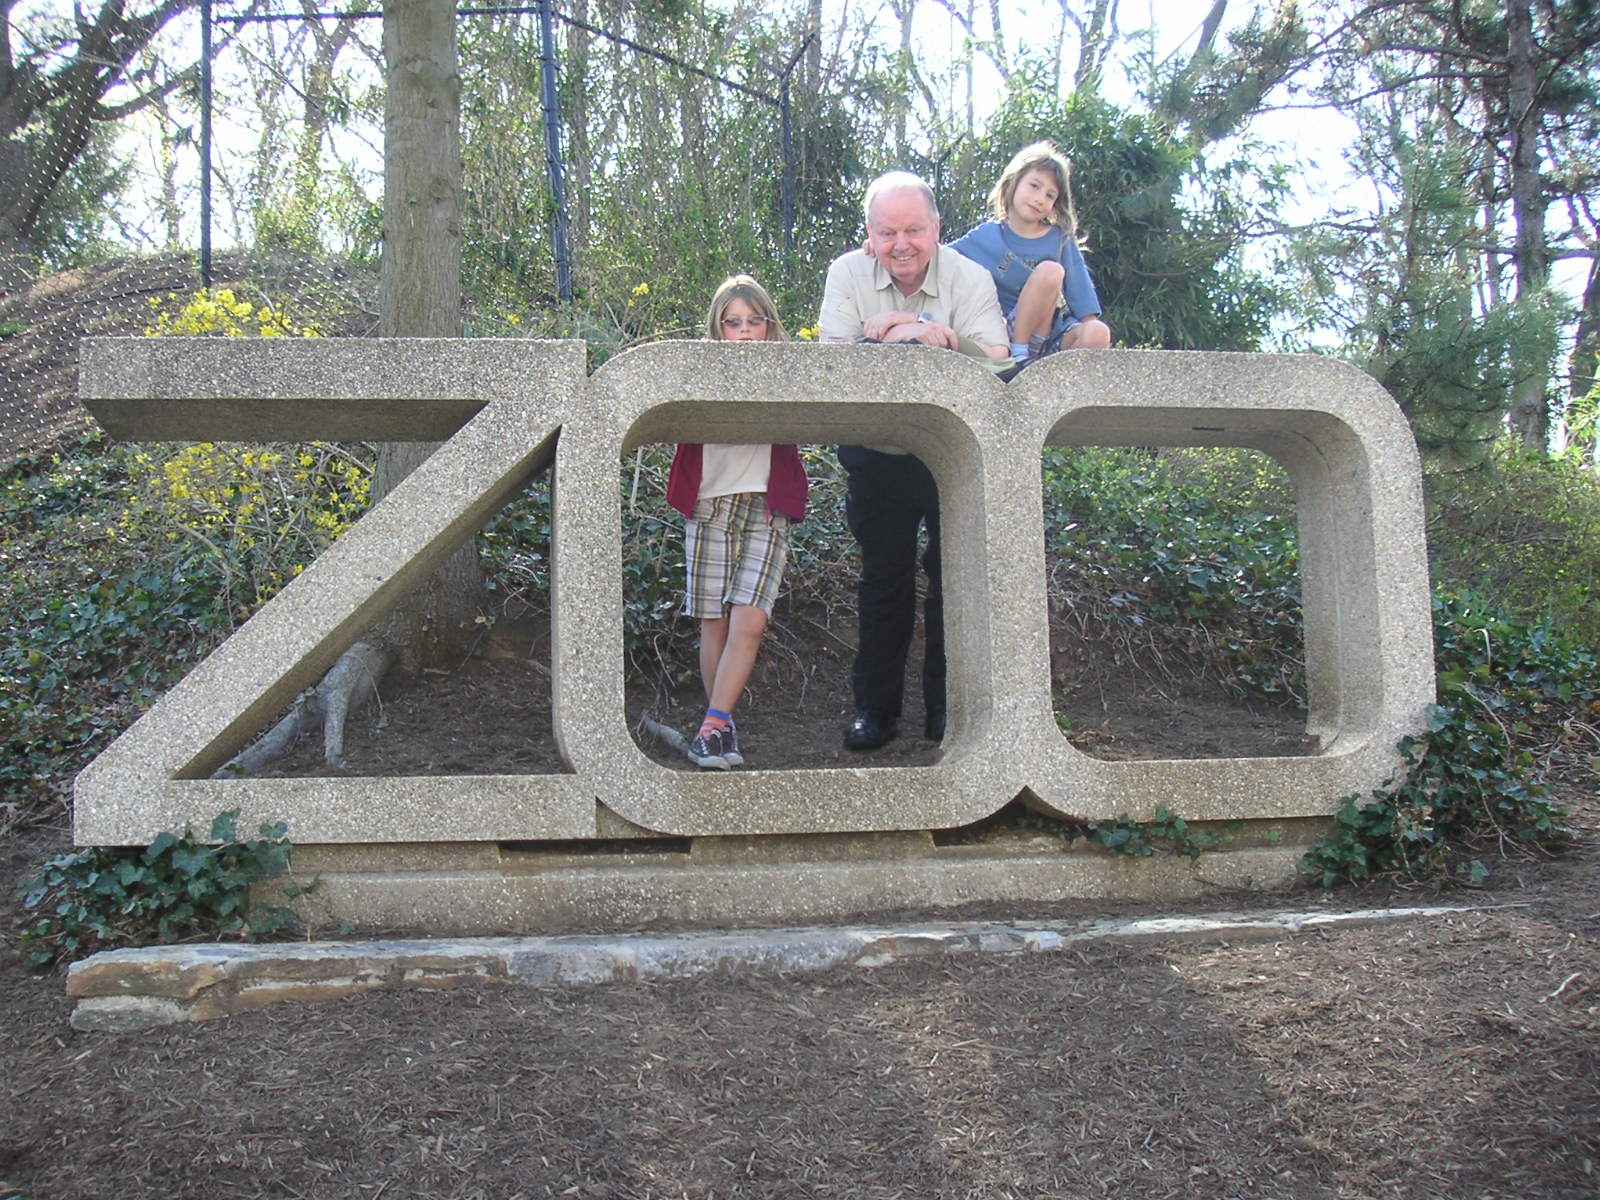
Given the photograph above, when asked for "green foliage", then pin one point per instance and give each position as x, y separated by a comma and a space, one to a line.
1403, 292
1191, 554
1583, 427
120, 568
1524, 529
175, 889
1474, 780
70, 230
1166, 833
514, 550
258, 513
672, 179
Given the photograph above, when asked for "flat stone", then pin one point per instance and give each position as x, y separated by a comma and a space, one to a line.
241, 978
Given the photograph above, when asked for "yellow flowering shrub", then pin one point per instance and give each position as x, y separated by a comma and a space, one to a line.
262, 513
258, 514
222, 313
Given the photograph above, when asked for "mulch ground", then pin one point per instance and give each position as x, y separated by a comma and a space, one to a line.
1453, 1057
1456, 1057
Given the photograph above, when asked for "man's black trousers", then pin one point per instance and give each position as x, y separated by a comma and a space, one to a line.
890, 496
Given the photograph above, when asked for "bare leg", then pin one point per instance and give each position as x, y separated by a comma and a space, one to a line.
1036, 306
742, 633
713, 637
1093, 334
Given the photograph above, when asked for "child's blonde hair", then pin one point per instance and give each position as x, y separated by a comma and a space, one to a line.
1041, 156
744, 287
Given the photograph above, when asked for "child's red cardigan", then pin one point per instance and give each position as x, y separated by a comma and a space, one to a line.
786, 484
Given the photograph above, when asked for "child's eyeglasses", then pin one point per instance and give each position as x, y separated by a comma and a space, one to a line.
740, 324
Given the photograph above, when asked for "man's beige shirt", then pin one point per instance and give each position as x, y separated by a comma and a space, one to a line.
957, 292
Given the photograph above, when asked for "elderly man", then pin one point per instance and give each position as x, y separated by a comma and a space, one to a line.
905, 288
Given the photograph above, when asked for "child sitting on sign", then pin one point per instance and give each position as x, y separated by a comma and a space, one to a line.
1031, 249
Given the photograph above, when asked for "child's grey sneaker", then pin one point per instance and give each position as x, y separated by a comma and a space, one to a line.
705, 750
730, 746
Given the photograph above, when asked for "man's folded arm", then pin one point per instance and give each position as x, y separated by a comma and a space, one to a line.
841, 319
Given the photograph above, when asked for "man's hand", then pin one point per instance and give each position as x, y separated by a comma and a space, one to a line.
875, 329
929, 333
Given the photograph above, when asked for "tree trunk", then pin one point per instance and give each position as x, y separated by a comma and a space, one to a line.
968, 70
421, 288
577, 112
421, 297
1098, 38
1584, 365
1530, 413
904, 10
318, 94
813, 67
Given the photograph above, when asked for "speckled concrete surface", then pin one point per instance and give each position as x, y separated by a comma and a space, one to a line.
1345, 445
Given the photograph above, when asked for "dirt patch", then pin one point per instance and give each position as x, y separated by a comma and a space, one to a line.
492, 714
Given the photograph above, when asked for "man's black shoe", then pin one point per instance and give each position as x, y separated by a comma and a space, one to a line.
935, 727
868, 732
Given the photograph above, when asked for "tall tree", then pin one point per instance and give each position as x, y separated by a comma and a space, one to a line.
421, 297
421, 291
53, 88
1514, 78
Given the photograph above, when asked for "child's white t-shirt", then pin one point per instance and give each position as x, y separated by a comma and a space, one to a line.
729, 470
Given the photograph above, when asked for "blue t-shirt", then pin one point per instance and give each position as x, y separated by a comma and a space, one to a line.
1010, 258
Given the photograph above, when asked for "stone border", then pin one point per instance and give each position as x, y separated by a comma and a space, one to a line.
122, 991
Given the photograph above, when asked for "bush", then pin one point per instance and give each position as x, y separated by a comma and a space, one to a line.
223, 313
109, 599
260, 514
1177, 558
175, 889
1524, 529
1476, 779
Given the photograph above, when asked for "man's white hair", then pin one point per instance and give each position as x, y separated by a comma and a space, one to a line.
899, 181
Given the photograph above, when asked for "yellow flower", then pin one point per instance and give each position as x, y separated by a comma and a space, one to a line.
809, 333
642, 290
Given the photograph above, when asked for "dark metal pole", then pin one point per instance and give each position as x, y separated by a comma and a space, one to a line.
786, 121
552, 143
788, 169
205, 143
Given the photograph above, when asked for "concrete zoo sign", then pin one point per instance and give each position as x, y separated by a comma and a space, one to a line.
508, 409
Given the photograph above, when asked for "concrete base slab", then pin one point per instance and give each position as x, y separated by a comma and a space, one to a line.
793, 881
122, 991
